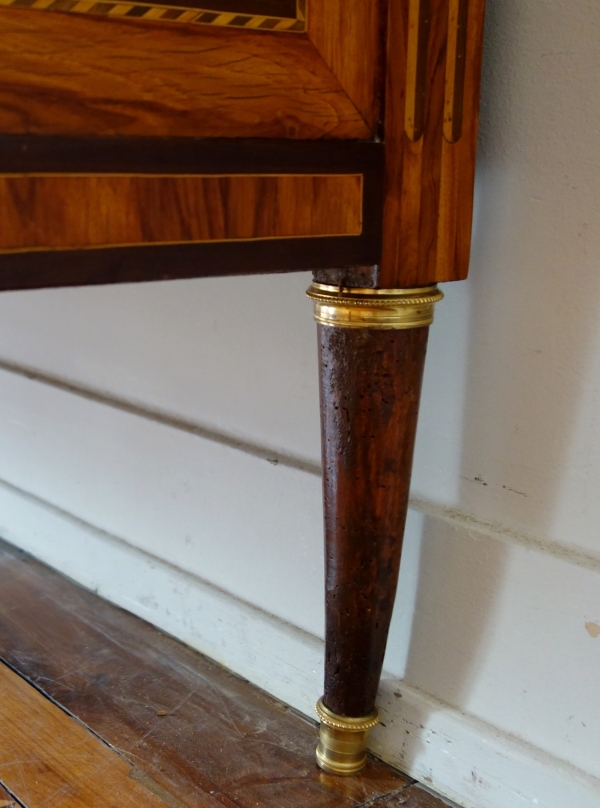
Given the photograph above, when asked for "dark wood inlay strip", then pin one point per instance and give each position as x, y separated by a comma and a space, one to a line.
187, 155
35, 270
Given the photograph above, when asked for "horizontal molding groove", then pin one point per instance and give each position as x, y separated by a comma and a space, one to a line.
162, 417
456, 517
471, 762
499, 532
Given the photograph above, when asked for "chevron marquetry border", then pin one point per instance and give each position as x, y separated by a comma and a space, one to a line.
170, 13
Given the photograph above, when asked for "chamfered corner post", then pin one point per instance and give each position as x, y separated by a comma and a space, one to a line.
372, 346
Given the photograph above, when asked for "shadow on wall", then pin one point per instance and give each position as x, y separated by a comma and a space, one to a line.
534, 311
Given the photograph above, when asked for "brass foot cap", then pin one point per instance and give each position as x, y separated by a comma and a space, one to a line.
342, 745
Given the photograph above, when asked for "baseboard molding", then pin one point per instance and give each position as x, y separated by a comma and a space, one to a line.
457, 517
465, 759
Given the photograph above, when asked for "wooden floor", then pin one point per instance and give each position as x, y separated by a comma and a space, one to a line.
98, 709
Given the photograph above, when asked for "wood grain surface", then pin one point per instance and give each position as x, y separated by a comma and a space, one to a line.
65, 74
120, 676
433, 84
164, 262
349, 35
48, 759
72, 74
414, 797
75, 155
67, 211
209, 738
370, 390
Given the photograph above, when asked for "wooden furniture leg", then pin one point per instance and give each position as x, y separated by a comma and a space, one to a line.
372, 346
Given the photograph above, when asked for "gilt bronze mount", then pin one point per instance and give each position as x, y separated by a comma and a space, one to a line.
342, 747
374, 308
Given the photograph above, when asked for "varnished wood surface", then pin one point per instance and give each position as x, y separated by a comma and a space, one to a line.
349, 34
66, 211
57, 69
433, 83
71, 74
164, 262
457, 180
48, 759
27, 154
215, 732
414, 797
370, 390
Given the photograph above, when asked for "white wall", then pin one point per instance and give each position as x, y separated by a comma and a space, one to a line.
181, 419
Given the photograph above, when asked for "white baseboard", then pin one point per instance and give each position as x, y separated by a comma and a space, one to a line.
463, 758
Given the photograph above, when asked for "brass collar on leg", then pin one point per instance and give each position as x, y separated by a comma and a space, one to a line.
374, 308
342, 745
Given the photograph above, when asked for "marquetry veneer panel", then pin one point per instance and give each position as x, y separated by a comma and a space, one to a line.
79, 74
62, 212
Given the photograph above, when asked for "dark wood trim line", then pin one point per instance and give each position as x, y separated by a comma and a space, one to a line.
34, 270
155, 155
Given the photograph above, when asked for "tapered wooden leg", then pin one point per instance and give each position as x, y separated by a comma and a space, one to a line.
372, 352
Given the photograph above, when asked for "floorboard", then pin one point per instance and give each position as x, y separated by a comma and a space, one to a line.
196, 735
412, 797
47, 758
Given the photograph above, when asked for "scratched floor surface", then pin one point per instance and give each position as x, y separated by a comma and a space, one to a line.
107, 711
